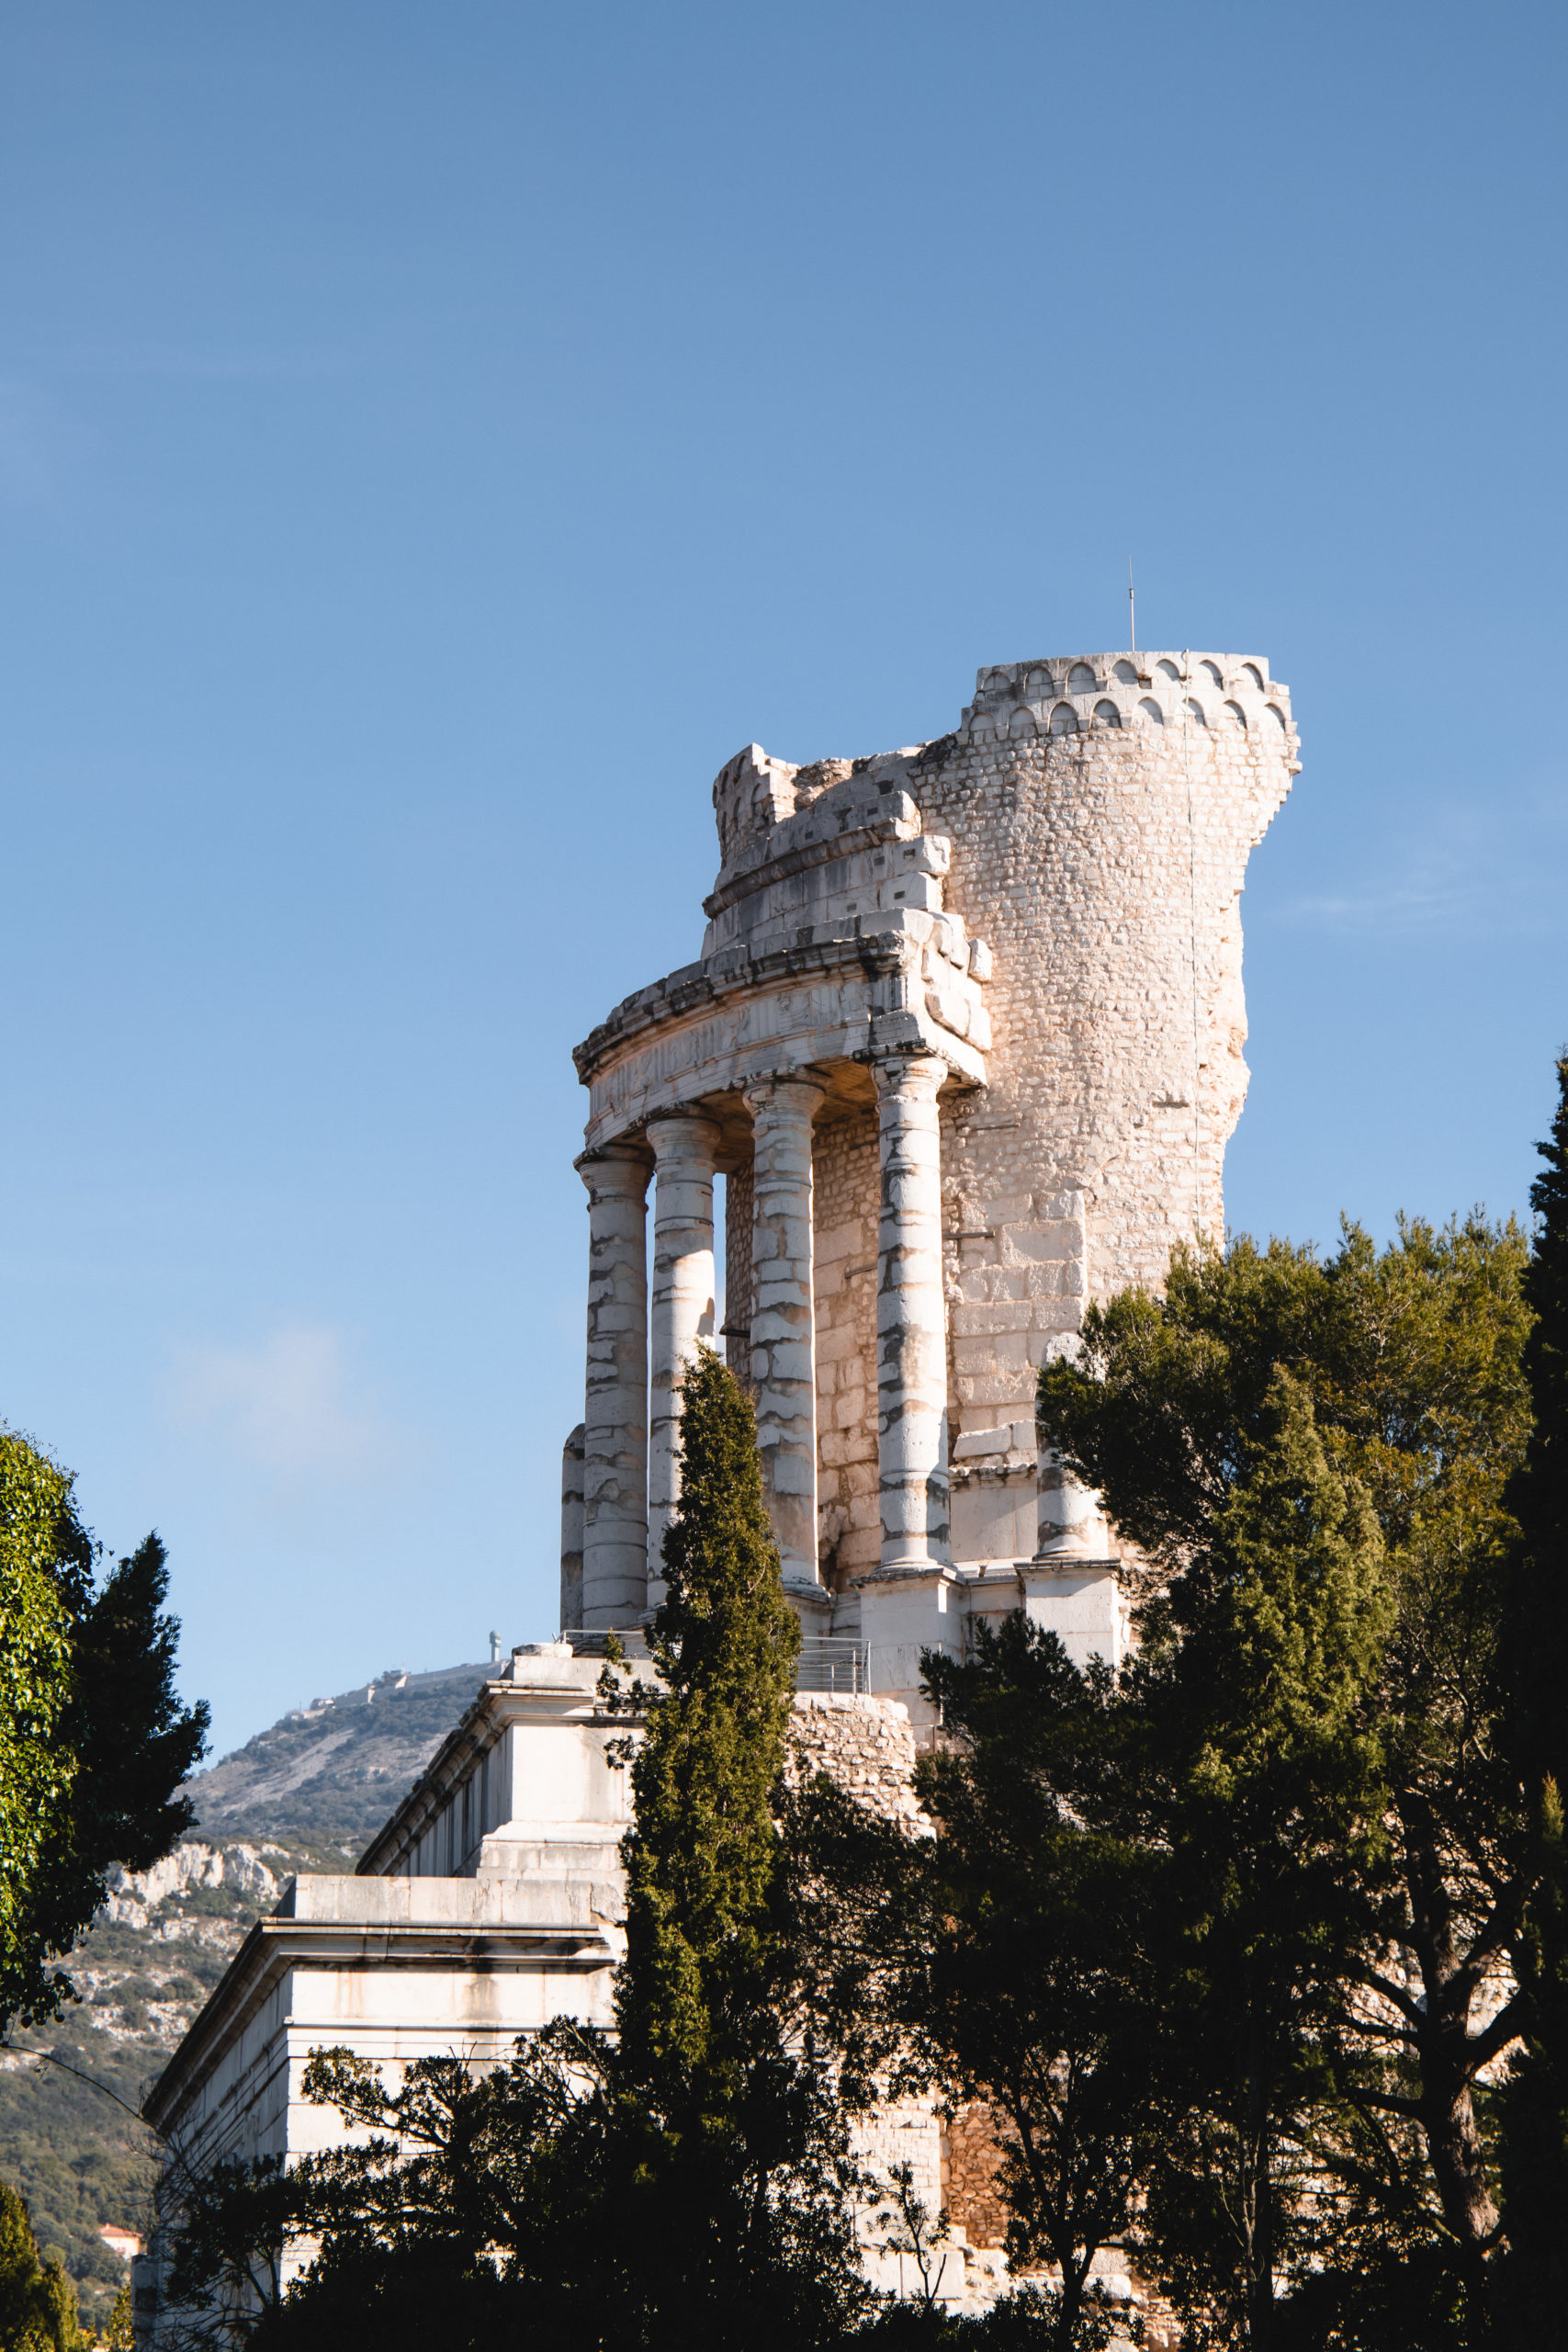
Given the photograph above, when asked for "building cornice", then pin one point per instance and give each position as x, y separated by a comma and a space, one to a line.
279, 1943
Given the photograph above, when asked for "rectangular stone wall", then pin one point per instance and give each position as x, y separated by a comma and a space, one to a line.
970, 2162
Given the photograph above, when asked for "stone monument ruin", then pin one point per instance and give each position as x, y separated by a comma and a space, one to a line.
963, 1042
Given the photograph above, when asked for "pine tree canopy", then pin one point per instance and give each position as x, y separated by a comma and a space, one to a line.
1308, 1459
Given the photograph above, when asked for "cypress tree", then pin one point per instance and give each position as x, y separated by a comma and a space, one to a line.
701, 1857
727, 2174
1535, 2107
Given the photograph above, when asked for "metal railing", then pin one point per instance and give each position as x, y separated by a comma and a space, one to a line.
829, 1664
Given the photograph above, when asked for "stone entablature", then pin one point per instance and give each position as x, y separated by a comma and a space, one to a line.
828, 944
964, 1044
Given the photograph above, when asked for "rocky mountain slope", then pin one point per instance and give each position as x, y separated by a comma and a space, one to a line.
304, 1795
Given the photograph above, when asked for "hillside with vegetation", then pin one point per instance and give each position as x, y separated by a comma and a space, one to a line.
305, 1795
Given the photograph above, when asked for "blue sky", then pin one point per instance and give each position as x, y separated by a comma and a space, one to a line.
433, 440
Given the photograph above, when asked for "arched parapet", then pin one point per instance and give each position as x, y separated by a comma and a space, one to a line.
1076, 696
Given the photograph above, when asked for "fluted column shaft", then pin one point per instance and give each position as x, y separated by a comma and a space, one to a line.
911, 1316
614, 1423
783, 1331
683, 1307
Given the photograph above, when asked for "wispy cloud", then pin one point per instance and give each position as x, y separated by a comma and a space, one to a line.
291, 1406
1475, 873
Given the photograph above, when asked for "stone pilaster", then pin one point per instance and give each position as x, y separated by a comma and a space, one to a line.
614, 1425
911, 1315
683, 1306
784, 1343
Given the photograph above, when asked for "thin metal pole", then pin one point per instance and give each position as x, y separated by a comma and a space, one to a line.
1132, 608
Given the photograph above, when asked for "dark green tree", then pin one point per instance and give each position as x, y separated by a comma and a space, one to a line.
1411, 1358
1535, 2106
1260, 1778
94, 1742
1134, 1923
1023, 1973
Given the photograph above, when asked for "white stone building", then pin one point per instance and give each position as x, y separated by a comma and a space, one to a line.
964, 1042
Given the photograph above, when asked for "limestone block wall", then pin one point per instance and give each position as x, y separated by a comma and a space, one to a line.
1100, 832
867, 1746
970, 2163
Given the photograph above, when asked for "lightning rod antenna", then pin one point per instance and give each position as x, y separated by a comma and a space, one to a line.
1132, 608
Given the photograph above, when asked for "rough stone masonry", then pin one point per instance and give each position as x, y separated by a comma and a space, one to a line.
964, 1042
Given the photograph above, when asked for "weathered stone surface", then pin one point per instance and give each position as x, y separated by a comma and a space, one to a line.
1041, 912
614, 1424
783, 1324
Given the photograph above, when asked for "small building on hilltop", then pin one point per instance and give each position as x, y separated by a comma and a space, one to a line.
963, 1042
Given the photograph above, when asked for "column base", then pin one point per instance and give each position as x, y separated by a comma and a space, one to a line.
1078, 1597
811, 1602
908, 1608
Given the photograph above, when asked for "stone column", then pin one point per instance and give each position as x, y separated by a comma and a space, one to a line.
1071, 1524
614, 1426
682, 1310
783, 1329
911, 1315
571, 1532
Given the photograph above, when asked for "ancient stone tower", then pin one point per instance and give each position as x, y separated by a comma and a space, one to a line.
964, 1041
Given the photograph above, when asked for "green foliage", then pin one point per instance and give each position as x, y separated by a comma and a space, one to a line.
73, 2144
38, 2302
1535, 2106
119, 2336
93, 1740
1410, 1363
45, 1569
1005, 1960
1258, 1776
1031, 2317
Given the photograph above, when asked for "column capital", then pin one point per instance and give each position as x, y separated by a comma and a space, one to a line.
799, 1089
615, 1171
673, 1135
915, 1074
